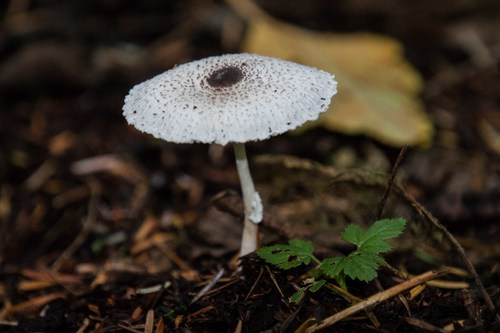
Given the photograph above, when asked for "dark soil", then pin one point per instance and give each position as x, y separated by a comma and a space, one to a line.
105, 229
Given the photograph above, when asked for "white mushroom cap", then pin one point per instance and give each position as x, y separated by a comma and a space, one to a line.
229, 98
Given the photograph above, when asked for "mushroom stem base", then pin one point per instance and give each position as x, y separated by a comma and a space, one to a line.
251, 200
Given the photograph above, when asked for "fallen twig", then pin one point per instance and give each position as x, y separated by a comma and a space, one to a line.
390, 182
373, 300
209, 286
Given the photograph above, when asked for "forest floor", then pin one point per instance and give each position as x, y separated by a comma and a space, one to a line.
105, 229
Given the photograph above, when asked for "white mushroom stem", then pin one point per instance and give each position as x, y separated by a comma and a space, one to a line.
251, 200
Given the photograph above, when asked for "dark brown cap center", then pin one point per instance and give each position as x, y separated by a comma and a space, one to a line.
225, 77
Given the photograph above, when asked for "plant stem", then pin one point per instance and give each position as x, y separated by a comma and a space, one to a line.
316, 260
251, 200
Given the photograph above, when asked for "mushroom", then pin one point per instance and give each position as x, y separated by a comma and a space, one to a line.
231, 98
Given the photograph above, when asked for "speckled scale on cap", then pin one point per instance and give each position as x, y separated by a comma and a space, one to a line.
229, 98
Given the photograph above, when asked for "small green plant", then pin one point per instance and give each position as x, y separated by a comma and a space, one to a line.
360, 264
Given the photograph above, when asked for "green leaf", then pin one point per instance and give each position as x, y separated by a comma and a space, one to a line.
316, 285
373, 240
353, 234
341, 281
332, 267
387, 228
297, 296
357, 265
313, 287
362, 266
296, 253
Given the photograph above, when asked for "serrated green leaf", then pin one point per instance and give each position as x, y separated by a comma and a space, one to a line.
386, 228
296, 253
374, 245
352, 234
274, 255
302, 249
332, 267
362, 266
373, 240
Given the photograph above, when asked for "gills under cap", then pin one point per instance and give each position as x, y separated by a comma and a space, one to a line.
229, 98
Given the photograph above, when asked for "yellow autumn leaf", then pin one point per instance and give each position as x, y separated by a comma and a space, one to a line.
378, 89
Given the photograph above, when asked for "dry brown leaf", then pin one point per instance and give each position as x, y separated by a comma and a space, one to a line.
160, 327
150, 321
378, 89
